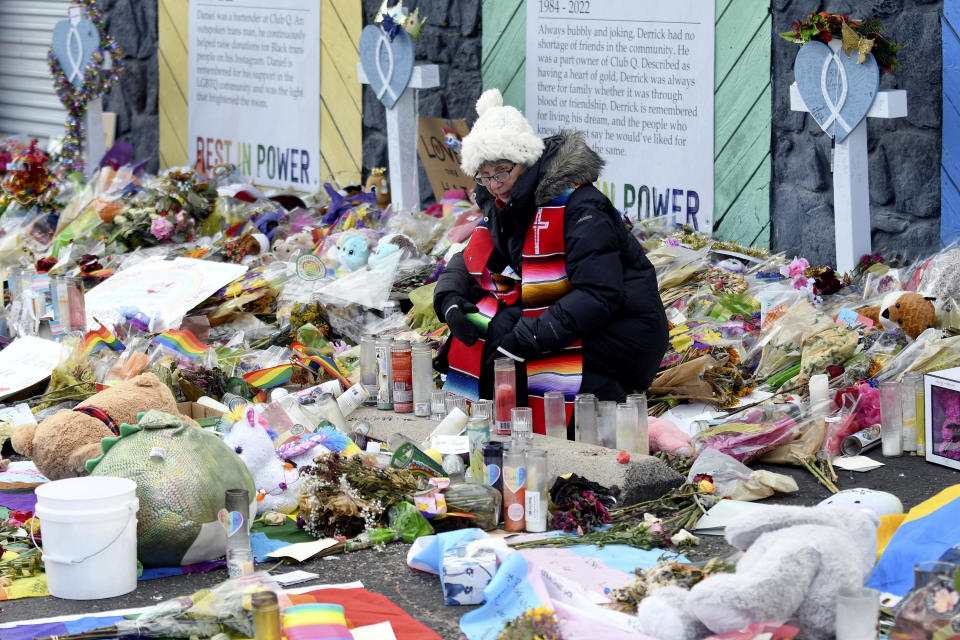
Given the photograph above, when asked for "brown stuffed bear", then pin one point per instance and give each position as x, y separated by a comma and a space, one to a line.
62, 444
910, 311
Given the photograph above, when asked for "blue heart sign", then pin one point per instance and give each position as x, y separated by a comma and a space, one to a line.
387, 63
837, 91
74, 43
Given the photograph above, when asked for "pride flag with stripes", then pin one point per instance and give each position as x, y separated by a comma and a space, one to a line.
97, 339
181, 341
269, 377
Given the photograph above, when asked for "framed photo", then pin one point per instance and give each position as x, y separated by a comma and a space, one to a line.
942, 419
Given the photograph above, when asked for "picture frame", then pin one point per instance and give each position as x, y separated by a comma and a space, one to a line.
941, 393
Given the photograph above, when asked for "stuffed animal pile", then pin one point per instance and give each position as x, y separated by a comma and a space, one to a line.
796, 559
61, 445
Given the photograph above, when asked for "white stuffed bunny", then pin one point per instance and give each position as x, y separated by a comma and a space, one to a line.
795, 561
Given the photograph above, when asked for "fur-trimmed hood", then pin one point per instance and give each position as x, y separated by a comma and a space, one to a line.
567, 160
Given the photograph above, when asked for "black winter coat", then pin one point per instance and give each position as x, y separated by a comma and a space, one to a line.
615, 304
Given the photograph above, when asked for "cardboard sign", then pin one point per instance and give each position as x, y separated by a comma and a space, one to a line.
440, 154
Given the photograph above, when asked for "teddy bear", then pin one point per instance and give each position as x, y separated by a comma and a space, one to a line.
796, 560
61, 444
297, 243
909, 311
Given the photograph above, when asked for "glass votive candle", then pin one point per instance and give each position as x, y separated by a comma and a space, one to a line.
239, 562
452, 402
627, 427
438, 405
607, 423
857, 611
482, 408
521, 427
585, 418
926, 572
891, 419
555, 414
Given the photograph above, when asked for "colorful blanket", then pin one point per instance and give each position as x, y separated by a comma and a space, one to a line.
361, 608
924, 533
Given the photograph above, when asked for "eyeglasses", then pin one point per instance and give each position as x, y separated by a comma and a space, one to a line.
500, 176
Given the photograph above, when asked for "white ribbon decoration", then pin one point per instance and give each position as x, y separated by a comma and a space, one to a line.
385, 78
834, 108
73, 40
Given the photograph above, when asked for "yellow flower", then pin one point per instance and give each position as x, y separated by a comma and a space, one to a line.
705, 486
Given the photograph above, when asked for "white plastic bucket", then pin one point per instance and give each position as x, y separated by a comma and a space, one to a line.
89, 531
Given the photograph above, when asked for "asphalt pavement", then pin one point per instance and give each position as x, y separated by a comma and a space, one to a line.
910, 478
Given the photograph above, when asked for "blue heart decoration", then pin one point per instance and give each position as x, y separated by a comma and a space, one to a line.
74, 45
388, 65
838, 92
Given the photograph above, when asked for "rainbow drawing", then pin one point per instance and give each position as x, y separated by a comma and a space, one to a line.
97, 339
269, 377
181, 341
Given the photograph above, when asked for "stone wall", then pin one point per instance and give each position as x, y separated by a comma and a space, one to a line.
450, 39
904, 154
133, 24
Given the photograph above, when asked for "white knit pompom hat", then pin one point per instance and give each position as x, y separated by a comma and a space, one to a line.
500, 133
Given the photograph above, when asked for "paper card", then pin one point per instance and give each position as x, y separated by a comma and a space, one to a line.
19, 414
440, 161
851, 317
25, 362
162, 290
303, 550
295, 577
856, 463
719, 515
451, 444
380, 631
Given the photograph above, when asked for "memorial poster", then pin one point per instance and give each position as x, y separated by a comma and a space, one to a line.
637, 79
254, 89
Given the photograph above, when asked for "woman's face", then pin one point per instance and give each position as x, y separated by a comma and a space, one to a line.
499, 177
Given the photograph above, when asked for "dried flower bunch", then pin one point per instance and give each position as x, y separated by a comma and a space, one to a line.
344, 496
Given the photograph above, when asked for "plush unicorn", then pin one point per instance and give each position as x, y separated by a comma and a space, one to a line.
276, 474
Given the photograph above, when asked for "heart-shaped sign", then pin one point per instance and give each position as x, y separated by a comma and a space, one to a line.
514, 479
388, 64
231, 521
837, 91
74, 43
491, 473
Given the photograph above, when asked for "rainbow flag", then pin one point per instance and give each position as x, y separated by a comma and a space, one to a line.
269, 377
97, 339
181, 341
317, 362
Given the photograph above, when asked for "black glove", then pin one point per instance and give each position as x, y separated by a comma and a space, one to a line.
455, 310
511, 348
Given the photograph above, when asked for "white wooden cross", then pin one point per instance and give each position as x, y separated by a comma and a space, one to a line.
851, 184
402, 137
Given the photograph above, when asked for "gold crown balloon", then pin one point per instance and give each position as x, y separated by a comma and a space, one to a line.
398, 15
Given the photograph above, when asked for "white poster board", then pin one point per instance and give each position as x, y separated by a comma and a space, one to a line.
162, 290
25, 362
637, 79
255, 89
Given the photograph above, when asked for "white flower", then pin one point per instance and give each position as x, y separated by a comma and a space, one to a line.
684, 537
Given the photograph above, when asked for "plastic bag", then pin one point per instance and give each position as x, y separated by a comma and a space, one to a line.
781, 343
748, 436
832, 346
407, 520
737, 481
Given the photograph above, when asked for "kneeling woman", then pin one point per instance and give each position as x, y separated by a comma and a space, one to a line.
551, 277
